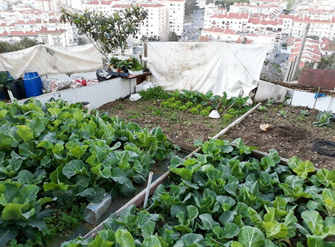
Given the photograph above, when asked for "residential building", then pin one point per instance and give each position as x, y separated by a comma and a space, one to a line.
327, 47
318, 27
233, 21
175, 15
55, 37
311, 52
281, 3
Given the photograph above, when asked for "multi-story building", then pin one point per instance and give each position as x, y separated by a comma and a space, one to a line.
281, 3
318, 27
164, 16
264, 26
175, 15
155, 25
266, 9
233, 21
311, 52
57, 37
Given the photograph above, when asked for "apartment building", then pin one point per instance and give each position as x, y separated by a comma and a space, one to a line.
311, 52
266, 9
56, 37
164, 16
281, 3
155, 25
264, 25
318, 27
329, 4
46, 5
232, 21
175, 15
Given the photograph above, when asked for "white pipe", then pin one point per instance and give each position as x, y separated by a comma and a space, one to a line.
148, 190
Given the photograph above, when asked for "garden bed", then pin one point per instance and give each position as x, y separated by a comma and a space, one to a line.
291, 134
53, 162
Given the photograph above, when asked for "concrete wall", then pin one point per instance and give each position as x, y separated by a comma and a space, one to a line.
301, 98
98, 94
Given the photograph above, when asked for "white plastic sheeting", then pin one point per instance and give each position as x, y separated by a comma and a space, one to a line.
51, 60
219, 66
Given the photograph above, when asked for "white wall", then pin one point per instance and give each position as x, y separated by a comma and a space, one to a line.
301, 98
97, 95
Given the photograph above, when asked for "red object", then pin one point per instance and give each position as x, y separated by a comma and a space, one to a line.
83, 82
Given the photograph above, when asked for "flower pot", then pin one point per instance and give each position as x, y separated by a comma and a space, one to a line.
138, 72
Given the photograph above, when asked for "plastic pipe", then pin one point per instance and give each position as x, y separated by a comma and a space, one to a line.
148, 190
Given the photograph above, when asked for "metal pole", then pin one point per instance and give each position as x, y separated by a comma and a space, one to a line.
300, 51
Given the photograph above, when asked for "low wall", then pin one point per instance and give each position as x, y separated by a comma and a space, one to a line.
98, 94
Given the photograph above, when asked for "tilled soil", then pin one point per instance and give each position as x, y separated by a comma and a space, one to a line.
291, 135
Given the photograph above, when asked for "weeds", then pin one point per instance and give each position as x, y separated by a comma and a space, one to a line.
305, 113
282, 113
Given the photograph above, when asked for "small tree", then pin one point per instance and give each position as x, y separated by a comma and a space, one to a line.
109, 32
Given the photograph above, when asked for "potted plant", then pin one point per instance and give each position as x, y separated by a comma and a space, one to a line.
135, 67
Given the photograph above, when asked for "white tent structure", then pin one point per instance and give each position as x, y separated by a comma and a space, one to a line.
218, 66
51, 60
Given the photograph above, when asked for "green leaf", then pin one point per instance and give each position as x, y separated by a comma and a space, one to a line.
207, 221
9, 136
7, 234
13, 211
152, 241
119, 176
25, 176
28, 150
28, 192
328, 197
127, 189
226, 217
315, 241
189, 239
230, 230
94, 195
148, 229
251, 237
255, 218
74, 167
314, 221
326, 177
25, 132
124, 238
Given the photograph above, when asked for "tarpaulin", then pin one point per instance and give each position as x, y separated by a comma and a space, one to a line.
51, 60
200, 66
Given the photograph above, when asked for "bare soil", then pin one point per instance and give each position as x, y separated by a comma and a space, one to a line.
291, 135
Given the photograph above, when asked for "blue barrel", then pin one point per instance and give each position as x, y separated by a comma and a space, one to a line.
32, 84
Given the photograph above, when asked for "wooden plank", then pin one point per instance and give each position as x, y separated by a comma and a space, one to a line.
237, 121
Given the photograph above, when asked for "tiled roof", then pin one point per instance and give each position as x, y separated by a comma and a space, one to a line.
232, 16
214, 29
204, 39
99, 2
4, 34
24, 22
44, 30
121, 6
21, 33
151, 5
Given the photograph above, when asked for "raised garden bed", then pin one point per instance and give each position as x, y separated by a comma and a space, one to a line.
55, 161
291, 134
223, 196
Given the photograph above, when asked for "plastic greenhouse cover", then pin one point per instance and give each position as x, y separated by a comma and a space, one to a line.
51, 60
200, 66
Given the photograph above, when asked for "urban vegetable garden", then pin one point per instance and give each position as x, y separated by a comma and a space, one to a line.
57, 159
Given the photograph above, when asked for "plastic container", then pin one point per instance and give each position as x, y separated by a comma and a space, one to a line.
32, 84
94, 211
144, 86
